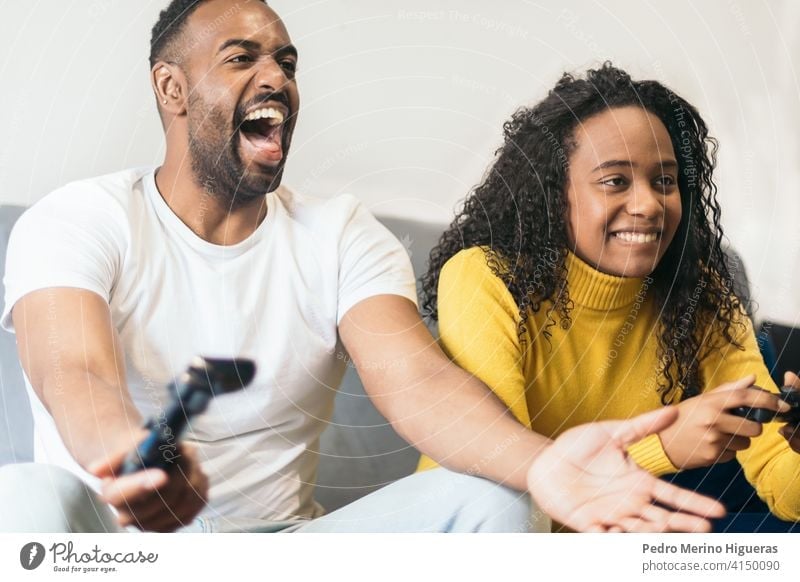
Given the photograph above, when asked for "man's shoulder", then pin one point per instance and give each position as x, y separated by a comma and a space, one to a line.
114, 191
332, 214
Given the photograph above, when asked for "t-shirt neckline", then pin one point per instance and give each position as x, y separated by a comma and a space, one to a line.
177, 226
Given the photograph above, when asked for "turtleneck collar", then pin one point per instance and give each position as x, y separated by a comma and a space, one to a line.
592, 289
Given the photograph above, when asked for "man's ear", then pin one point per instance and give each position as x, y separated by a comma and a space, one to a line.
170, 87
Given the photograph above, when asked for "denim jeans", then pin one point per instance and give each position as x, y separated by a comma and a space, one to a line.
45, 498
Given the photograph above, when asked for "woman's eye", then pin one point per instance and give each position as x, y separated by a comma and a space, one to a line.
614, 181
665, 181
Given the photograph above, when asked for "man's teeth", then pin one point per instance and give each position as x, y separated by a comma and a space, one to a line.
637, 237
272, 115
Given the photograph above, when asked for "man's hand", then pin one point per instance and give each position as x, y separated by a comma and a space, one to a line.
706, 431
154, 500
586, 480
791, 432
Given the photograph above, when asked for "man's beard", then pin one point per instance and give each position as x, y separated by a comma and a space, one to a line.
215, 160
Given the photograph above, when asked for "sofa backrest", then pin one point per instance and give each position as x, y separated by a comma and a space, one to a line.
16, 429
360, 452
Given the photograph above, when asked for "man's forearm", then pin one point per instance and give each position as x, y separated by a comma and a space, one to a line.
93, 417
442, 410
456, 420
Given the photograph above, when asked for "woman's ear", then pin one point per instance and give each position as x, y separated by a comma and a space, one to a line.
169, 85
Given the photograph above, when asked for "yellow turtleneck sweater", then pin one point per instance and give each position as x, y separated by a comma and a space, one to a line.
604, 366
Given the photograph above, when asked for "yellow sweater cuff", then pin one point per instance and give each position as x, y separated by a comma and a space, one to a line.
426, 463
649, 455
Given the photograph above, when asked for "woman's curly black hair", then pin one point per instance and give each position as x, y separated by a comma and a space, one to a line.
519, 213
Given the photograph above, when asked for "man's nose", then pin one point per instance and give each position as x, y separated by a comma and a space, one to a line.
270, 76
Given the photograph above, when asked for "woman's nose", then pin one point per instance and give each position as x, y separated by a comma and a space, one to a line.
645, 201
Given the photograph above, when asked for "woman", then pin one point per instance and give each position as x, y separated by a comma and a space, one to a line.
584, 279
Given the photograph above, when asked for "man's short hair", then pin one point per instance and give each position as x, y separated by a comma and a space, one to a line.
170, 23
166, 35
167, 31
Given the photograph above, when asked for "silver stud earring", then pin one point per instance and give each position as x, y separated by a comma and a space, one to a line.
165, 101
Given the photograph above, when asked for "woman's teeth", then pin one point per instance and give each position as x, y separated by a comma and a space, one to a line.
637, 237
272, 115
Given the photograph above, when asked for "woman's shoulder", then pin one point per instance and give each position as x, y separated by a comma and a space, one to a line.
477, 260
474, 273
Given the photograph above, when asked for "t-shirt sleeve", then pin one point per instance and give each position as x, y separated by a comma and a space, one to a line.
371, 262
769, 464
70, 238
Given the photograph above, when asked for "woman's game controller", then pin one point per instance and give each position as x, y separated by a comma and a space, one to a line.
788, 394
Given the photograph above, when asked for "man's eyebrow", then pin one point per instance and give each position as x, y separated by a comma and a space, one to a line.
287, 49
240, 42
255, 46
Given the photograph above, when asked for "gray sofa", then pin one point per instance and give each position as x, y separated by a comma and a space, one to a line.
359, 450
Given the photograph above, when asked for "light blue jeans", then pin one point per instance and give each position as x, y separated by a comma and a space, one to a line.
45, 498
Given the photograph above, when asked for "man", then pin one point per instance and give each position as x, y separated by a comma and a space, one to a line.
113, 284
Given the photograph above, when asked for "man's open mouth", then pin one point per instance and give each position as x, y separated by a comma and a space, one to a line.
262, 135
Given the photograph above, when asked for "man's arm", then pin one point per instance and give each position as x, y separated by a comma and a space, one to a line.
72, 356
442, 410
454, 418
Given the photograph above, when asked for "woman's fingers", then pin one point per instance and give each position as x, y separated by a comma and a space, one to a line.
729, 398
736, 425
737, 443
791, 379
745, 382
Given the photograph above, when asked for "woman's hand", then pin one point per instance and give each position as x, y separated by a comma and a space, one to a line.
706, 431
791, 432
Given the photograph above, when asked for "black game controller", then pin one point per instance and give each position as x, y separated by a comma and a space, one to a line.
203, 380
788, 394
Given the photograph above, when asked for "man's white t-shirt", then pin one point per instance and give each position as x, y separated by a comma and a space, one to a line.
276, 297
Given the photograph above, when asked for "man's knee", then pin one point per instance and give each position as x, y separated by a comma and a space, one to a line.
46, 498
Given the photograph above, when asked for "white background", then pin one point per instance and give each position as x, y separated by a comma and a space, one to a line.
403, 102
414, 557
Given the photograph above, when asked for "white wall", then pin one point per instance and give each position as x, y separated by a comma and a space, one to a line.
403, 101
